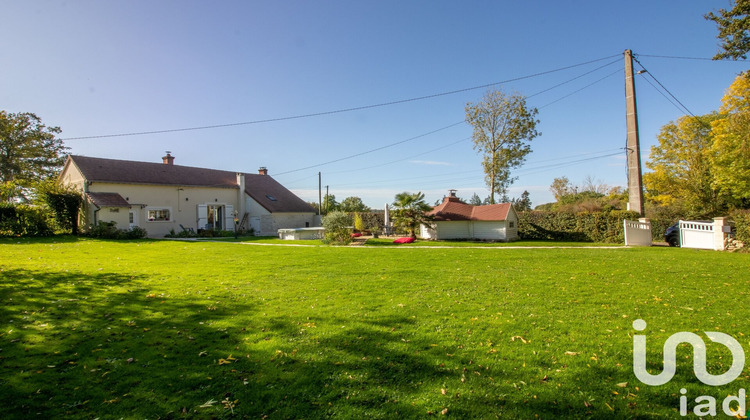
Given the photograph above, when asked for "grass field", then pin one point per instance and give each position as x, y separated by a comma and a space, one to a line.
167, 329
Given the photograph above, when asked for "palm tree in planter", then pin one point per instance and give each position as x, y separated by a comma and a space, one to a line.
410, 211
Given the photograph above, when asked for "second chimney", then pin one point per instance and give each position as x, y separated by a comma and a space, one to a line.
262, 170
168, 159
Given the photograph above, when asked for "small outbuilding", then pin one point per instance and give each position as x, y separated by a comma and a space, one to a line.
454, 219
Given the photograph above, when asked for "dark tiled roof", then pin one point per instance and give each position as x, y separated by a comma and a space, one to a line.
454, 209
259, 187
107, 199
132, 172
273, 196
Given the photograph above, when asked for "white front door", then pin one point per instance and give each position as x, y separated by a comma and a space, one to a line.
255, 224
132, 218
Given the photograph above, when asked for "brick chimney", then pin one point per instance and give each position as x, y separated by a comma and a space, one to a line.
452, 196
262, 170
168, 159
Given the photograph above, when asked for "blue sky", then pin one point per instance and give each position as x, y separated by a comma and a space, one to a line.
98, 68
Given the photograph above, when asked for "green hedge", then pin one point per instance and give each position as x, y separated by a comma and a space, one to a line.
108, 230
742, 225
23, 220
574, 227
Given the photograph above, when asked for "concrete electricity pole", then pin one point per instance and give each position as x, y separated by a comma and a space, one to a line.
635, 180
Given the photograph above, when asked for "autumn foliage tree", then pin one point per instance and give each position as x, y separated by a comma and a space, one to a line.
701, 166
682, 173
730, 150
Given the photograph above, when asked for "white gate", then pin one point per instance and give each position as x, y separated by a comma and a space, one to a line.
696, 235
637, 233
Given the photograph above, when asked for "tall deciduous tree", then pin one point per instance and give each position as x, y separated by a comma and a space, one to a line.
330, 204
730, 151
352, 205
734, 30
503, 127
682, 171
29, 152
410, 211
561, 187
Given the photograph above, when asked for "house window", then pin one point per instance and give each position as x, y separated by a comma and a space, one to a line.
158, 215
215, 217
131, 217
270, 197
511, 224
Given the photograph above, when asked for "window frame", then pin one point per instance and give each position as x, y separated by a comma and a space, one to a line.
166, 219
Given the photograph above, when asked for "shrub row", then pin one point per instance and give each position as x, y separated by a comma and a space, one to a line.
741, 220
23, 220
107, 230
574, 227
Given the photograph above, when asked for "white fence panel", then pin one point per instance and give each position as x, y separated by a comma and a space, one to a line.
696, 235
637, 233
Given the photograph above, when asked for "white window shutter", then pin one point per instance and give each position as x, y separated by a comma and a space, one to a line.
202, 216
228, 217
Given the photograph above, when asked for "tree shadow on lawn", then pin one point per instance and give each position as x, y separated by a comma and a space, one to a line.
84, 345
105, 345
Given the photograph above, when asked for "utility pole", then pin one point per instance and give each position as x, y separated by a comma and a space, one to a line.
320, 193
327, 199
635, 180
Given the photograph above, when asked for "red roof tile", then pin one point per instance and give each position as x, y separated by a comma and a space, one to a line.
453, 209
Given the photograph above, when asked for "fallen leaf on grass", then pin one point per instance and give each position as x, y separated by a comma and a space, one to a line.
207, 404
572, 353
622, 384
523, 340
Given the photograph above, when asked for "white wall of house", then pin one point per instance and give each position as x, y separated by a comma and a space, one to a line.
270, 223
489, 231
161, 208
461, 229
119, 215
171, 206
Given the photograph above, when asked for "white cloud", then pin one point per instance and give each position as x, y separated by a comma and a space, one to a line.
431, 162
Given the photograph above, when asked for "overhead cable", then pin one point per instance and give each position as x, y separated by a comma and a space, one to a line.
338, 111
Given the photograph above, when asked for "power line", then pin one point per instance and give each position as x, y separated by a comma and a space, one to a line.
371, 150
583, 88
672, 57
575, 78
339, 111
663, 87
401, 160
523, 171
676, 57
423, 135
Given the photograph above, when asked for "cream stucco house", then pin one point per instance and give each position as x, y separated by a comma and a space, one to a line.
161, 197
454, 219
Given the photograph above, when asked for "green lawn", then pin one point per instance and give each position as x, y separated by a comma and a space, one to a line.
168, 329
528, 243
